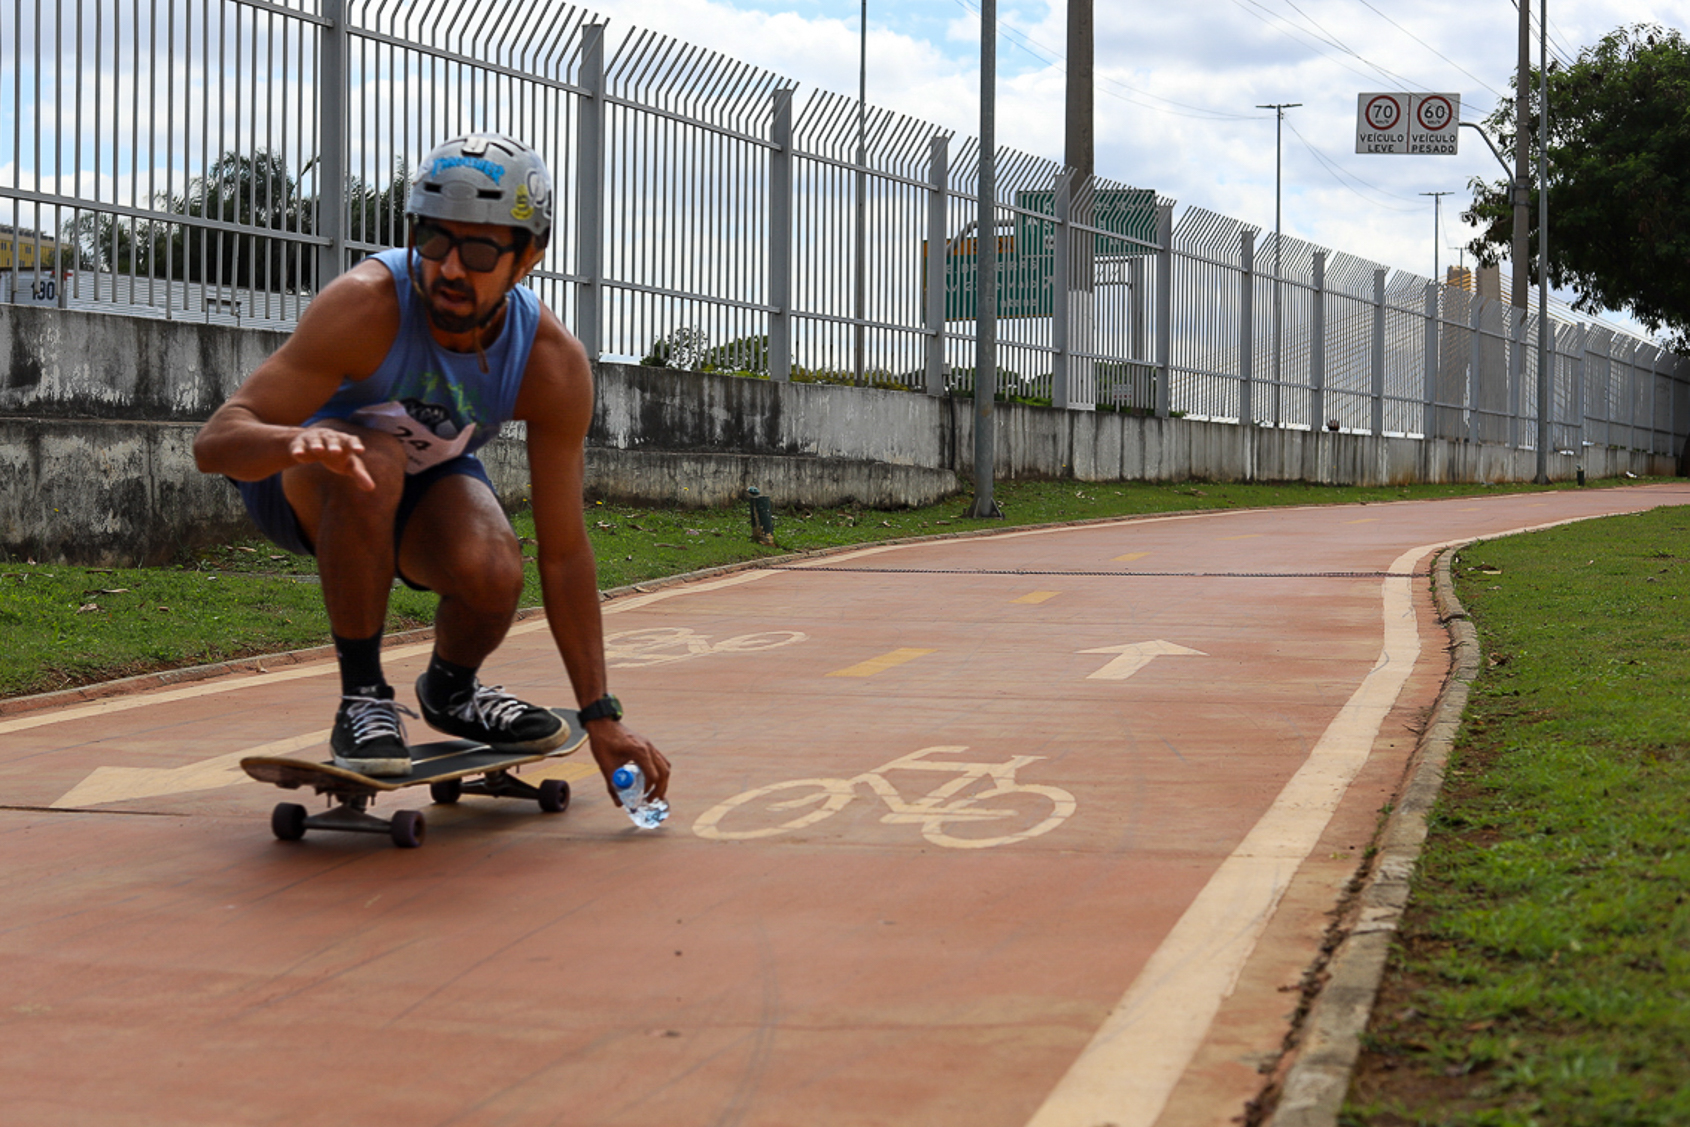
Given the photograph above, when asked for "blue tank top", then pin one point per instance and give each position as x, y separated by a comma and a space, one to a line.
438, 402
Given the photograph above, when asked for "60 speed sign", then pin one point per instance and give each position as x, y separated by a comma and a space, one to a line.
1408, 123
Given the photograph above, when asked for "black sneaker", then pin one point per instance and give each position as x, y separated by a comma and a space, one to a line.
494, 717
369, 736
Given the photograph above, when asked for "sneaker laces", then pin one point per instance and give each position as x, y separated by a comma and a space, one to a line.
491, 707
372, 718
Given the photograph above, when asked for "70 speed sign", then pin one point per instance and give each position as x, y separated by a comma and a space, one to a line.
1408, 123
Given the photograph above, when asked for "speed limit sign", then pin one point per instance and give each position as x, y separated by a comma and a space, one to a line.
1408, 123
1434, 123
1382, 123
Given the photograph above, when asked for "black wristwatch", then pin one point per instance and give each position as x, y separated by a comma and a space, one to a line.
606, 707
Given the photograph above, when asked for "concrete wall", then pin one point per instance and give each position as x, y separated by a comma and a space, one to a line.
97, 416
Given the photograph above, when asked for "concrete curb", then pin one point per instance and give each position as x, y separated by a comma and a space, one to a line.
1315, 1085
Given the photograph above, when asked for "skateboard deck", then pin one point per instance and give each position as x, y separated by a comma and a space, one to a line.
451, 768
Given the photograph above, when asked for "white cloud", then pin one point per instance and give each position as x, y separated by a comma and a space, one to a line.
1156, 62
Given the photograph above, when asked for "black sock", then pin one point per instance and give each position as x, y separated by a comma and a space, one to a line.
360, 664
447, 680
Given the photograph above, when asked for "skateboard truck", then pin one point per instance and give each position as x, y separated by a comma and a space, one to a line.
349, 814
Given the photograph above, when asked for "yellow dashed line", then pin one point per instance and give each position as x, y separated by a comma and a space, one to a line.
1363, 520
879, 664
1130, 557
1036, 596
1246, 536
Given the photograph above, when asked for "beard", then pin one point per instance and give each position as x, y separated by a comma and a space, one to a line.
455, 322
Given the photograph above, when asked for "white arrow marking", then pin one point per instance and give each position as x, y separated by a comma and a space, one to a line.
1133, 657
120, 784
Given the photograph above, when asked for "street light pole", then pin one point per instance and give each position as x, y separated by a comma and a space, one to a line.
986, 265
1545, 393
1437, 230
1279, 109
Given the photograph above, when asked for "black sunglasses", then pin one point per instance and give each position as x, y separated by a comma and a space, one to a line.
480, 255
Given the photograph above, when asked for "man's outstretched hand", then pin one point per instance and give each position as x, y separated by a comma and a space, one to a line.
334, 450
613, 745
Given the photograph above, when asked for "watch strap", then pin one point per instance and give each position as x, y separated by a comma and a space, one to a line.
606, 707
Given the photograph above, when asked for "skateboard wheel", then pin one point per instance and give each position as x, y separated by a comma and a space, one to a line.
554, 796
287, 821
408, 829
446, 791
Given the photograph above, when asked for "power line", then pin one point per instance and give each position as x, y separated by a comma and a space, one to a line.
1301, 36
1056, 59
1338, 175
1432, 49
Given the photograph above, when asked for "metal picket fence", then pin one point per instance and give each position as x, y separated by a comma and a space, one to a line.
221, 160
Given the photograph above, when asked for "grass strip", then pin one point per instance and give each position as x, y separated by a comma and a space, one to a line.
67, 626
1541, 976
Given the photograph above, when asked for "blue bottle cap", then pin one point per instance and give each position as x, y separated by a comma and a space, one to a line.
623, 778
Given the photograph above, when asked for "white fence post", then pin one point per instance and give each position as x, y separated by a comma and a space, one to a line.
938, 187
1429, 365
780, 237
1061, 284
331, 138
1246, 325
1317, 346
1377, 391
1164, 308
589, 206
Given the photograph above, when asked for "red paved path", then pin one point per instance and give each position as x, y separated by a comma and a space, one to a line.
168, 962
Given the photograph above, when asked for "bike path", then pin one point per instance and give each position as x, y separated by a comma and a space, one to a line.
1079, 801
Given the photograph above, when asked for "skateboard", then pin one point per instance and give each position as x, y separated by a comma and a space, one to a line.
447, 766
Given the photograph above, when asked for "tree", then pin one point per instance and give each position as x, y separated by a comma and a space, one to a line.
683, 348
1619, 179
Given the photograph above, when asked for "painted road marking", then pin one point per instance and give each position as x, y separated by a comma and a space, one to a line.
106, 785
663, 645
1132, 657
1130, 557
880, 664
1035, 597
120, 784
1126, 1074
804, 802
1363, 520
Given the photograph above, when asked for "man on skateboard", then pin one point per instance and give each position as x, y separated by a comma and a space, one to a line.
356, 441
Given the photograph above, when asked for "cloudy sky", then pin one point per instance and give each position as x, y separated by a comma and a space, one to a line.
1177, 85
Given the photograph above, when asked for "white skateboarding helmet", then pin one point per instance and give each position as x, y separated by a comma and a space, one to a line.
484, 178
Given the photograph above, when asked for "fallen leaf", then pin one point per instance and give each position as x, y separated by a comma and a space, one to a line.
86, 607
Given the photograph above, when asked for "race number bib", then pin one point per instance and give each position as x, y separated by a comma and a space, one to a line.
429, 435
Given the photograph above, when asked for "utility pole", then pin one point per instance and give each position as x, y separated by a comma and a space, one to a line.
1079, 273
1079, 141
1437, 230
1545, 393
860, 303
1520, 290
1279, 109
986, 264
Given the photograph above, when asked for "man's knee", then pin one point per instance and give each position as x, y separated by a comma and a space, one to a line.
492, 578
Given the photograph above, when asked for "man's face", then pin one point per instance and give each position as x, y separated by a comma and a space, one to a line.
458, 297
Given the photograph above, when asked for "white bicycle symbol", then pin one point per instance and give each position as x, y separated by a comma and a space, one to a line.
935, 812
661, 645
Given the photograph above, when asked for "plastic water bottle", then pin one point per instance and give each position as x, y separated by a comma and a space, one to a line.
646, 813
